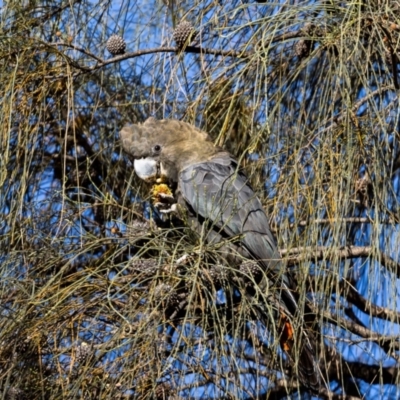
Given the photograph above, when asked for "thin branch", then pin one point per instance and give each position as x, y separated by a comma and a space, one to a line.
336, 368
393, 56
340, 116
300, 254
346, 289
283, 386
327, 221
388, 343
366, 306
189, 49
77, 48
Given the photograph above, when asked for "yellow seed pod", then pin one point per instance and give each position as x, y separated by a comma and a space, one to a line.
160, 188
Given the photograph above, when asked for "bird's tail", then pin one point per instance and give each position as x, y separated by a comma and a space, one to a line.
295, 339
307, 368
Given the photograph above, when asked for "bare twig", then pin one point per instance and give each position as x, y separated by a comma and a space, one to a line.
341, 116
363, 304
327, 221
388, 343
189, 49
300, 254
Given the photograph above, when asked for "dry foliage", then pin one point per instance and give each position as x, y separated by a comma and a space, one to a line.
96, 301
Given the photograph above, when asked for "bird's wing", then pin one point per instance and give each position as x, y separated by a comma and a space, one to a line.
219, 193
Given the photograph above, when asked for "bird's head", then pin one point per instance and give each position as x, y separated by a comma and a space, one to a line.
162, 148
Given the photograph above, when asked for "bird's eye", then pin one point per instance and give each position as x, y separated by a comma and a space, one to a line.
157, 148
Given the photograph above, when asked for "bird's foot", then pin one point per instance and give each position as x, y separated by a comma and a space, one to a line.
171, 210
166, 198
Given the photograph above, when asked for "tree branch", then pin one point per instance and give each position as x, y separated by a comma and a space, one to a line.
189, 49
339, 117
337, 368
325, 221
366, 306
300, 254
388, 343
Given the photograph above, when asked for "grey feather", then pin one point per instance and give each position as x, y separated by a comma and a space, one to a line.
218, 192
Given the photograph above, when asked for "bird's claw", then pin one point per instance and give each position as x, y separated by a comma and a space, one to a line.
166, 199
166, 203
172, 210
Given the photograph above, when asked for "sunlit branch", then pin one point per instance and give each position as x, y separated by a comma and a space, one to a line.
341, 115
335, 221
300, 254
189, 49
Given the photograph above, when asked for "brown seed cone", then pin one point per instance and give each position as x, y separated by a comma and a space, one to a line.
183, 34
166, 295
116, 45
302, 48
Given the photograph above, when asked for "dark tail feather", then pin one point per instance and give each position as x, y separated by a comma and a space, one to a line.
292, 340
308, 370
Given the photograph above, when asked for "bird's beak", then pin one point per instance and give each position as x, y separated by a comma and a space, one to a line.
146, 168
